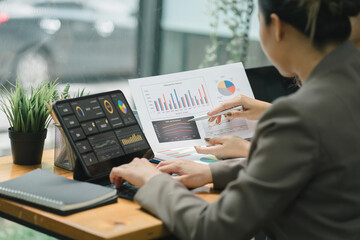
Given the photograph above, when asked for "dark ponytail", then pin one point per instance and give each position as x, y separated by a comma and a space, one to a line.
351, 8
323, 21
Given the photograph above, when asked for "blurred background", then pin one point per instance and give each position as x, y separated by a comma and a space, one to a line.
99, 45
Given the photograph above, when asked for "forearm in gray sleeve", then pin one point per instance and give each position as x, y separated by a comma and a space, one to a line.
226, 171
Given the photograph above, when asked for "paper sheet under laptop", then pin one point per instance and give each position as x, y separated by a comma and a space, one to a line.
165, 103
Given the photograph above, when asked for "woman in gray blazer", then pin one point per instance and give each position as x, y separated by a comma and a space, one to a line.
253, 109
301, 180
355, 32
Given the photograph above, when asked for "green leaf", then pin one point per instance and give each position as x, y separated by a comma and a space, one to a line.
26, 110
65, 92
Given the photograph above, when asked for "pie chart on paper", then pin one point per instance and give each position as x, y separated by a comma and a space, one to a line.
211, 159
226, 88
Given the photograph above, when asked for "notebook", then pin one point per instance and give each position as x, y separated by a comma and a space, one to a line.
55, 193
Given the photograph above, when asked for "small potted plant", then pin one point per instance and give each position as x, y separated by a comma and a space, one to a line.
28, 118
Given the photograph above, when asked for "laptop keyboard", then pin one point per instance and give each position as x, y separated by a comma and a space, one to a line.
126, 191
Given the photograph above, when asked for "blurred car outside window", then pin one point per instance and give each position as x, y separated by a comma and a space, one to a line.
87, 43
73, 41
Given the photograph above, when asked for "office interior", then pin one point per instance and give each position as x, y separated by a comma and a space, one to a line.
99, 45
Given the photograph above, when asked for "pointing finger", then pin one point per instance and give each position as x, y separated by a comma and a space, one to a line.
214, 140
208, 150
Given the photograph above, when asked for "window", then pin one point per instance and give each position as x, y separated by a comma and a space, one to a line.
186, 28
87, 43
95, 44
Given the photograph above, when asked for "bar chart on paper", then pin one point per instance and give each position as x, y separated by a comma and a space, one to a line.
176, 98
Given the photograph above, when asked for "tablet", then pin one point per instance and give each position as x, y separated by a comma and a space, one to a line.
102, 131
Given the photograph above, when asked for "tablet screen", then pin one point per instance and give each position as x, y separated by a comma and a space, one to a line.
102, 130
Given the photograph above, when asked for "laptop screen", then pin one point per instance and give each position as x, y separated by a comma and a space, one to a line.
268, 84
102, 131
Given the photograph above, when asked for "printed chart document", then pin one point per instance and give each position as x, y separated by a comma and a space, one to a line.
165, 103
187, 153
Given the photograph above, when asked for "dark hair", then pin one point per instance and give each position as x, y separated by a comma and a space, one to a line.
323, 21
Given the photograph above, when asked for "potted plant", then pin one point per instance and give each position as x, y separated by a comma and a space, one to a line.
28, 118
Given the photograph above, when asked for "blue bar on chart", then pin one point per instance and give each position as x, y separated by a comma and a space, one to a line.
204, 93
177, 98
192, 100
160, 103
185, 99
173, 100
157, 107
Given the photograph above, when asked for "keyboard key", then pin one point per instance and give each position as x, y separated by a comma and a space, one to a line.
127, 191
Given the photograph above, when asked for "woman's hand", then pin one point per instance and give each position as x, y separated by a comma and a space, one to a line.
189, 173
252, 108
226, 147
137, 172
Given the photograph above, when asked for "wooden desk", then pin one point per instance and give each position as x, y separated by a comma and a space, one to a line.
121, 220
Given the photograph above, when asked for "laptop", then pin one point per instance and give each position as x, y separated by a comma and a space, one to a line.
268, 84
104, 133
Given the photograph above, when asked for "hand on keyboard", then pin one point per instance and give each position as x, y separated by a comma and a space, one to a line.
127, 191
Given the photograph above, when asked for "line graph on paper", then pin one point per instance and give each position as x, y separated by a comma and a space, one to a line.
178, 129
173, 99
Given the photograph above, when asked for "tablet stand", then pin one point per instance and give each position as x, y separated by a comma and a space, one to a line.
79, 172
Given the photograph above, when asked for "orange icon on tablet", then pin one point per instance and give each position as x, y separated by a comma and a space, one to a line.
108, 107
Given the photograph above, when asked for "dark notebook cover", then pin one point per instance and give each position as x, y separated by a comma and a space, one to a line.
55, 193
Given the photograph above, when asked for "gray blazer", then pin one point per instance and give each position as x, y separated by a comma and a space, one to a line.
302, 180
